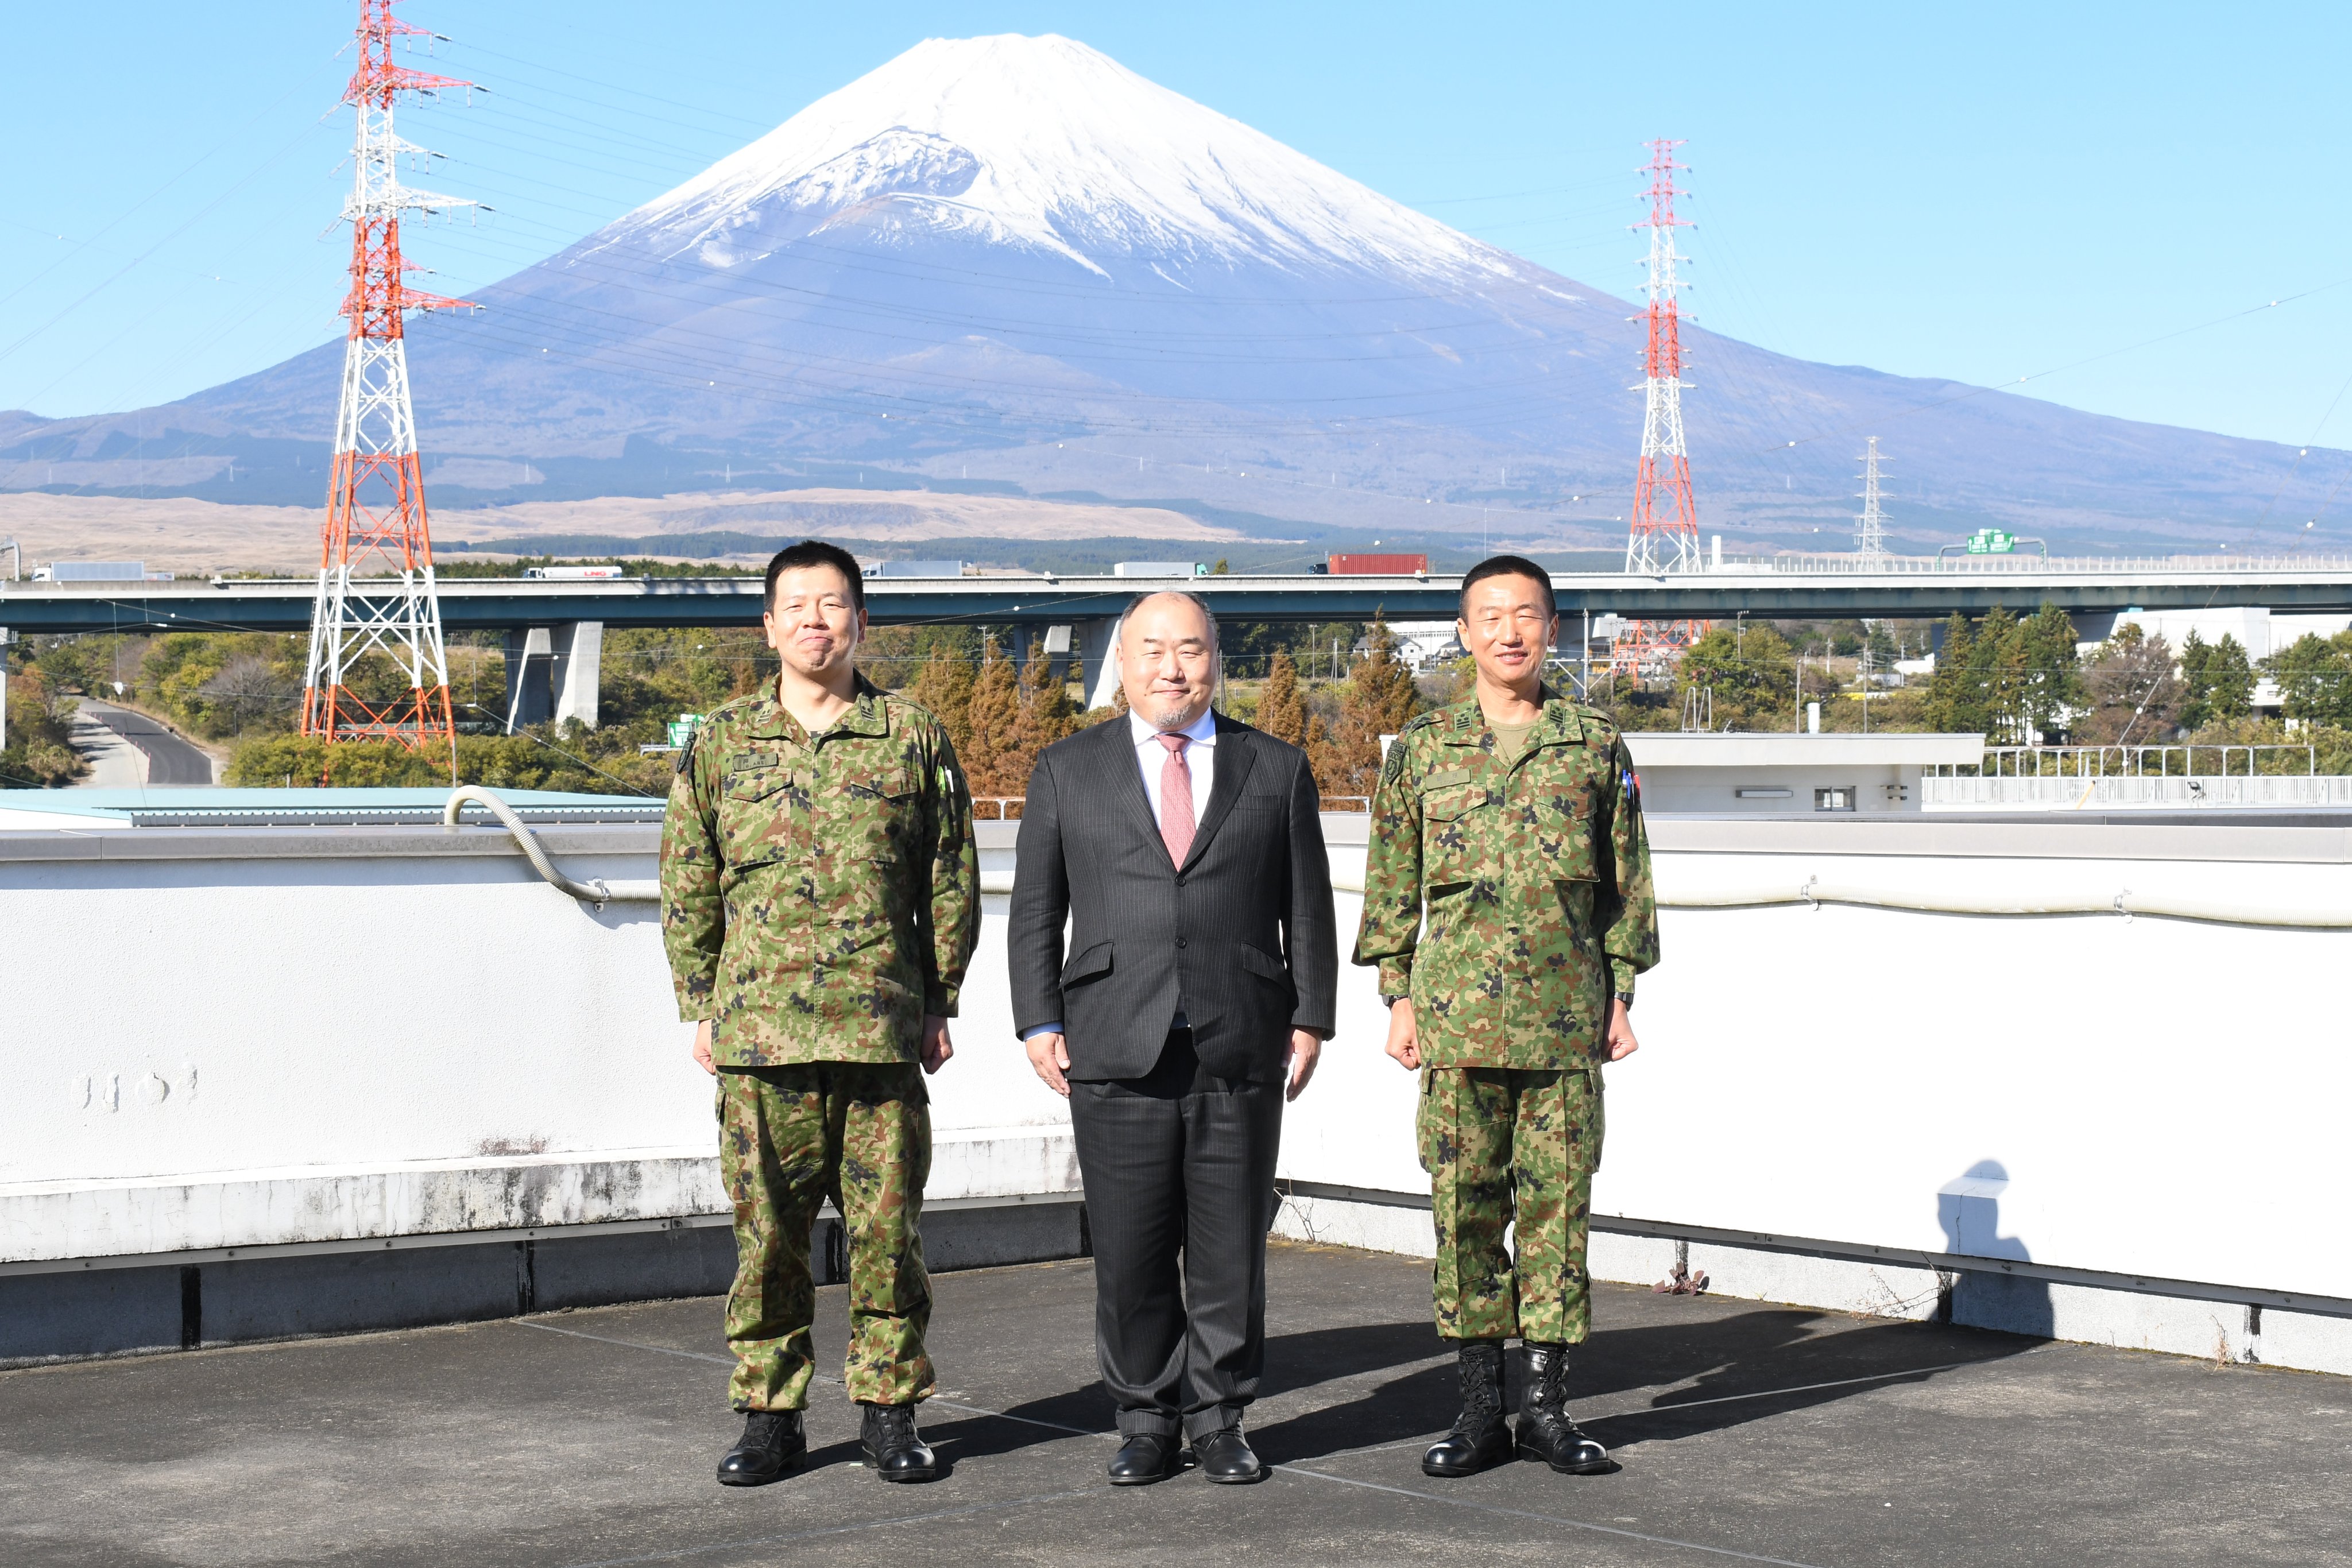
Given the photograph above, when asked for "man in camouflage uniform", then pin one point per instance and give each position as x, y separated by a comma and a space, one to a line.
1513, 821
820, 902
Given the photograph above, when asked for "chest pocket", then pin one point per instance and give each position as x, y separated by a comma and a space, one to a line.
1566, 827
869, 814
757, 822
1457, 820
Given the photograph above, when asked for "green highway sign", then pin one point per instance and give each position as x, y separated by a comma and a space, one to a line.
1991, 542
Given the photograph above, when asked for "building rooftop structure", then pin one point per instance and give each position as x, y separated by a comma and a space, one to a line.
1744, 1432
1717, 770
1933, 1287
191, 808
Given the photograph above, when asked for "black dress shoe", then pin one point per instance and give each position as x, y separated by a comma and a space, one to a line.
1144, 1457
1547, 1433
1225, 1457
772, 1443
1481, 1437
894, 1450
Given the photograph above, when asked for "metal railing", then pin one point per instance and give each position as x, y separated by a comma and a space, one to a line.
2137, 761
2052, 792
1915, 565
1007, 808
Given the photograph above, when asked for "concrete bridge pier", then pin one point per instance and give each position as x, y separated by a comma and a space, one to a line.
553, 673
1098, 671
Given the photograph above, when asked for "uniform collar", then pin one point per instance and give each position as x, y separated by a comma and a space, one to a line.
867, 714
1556, 723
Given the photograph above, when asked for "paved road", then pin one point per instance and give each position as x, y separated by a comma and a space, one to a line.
1748, 1432
170, 761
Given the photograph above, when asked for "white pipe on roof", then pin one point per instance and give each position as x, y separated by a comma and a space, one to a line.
596, 891
2123, 902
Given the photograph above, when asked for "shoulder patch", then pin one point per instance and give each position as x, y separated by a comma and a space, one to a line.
1393, 766
686, 752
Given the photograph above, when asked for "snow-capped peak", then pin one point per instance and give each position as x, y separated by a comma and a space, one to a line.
1047, 142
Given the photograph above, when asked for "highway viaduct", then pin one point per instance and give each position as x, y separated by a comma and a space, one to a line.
545, 618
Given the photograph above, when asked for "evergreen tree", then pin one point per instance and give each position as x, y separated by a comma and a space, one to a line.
2314, 676
1377, 700
991, 760
1047, 711
2053, 675
1955, 706
2196, 686
1996, 674
1281, 710
2230, 680
943, 687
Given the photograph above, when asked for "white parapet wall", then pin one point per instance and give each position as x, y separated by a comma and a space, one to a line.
2103, 1126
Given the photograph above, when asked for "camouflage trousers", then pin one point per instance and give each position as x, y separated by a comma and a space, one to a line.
1510, 1147
860, 1134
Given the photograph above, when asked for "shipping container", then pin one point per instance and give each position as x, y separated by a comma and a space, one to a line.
93, 572
1379, 565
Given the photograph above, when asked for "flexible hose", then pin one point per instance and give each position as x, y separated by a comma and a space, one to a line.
2123, 902
596, 891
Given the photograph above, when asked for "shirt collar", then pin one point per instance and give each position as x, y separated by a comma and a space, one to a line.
1202, 731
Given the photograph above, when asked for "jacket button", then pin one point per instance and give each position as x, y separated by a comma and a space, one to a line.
1179, 881
1180, 941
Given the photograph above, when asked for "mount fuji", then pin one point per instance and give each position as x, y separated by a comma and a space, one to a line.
1012, 265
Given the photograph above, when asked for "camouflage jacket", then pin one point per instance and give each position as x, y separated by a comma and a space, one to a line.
819, 895
1536, 881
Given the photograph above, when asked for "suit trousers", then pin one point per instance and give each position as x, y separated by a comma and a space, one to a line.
1178, 1168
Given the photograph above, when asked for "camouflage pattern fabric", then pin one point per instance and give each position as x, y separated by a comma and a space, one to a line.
1508, 1147
1534, 874
789, 1136
820, 893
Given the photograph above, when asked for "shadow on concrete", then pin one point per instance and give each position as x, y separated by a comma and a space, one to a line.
1767, 1362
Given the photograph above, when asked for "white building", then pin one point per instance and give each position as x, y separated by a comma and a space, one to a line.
1421, 643
1714, 772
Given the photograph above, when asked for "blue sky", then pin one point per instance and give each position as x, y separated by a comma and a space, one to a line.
1985, 191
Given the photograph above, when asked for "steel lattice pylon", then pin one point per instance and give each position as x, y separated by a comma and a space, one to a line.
1870, 528
1664, 535
375, 502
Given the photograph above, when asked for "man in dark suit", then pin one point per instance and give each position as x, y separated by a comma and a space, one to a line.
1184, 851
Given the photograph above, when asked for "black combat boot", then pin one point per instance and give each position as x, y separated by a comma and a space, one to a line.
1546, 1433
772, 1443
1481, 1437
894, 1450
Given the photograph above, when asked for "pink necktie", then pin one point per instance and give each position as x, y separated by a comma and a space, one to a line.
1176, 799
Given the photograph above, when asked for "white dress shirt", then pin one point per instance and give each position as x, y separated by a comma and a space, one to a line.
1151, 756
1200, 758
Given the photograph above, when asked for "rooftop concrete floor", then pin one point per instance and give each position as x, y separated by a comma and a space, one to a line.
1747, 1433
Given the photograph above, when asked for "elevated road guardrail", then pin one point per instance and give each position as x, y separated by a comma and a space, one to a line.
1801, 587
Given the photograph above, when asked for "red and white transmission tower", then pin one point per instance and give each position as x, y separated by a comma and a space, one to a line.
1664, 536
375, 503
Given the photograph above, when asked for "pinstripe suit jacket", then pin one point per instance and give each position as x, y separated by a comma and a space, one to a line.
1240, 937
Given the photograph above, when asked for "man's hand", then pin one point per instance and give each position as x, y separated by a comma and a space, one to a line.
937, 1048
1405, 1041
1300, 1060
1050, 1055
702, 1049
1622, 1043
